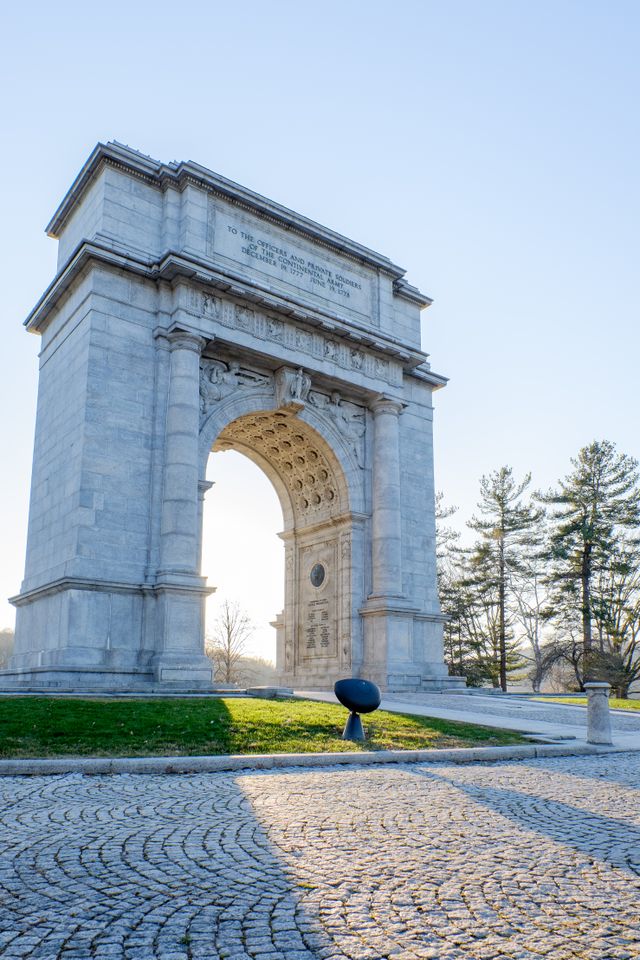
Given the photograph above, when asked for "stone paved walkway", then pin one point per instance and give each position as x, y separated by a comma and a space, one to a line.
498, 708
516, 860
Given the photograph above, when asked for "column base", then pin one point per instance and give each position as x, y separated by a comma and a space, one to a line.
181, 660
75, 680
403, 648
185, 672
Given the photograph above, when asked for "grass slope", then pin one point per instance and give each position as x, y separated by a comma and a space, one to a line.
614, 702
54, 727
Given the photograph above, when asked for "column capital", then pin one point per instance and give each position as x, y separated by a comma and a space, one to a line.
204, 486
382, 404
185, 340
178, 338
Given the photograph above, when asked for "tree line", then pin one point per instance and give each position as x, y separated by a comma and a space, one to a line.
551, 583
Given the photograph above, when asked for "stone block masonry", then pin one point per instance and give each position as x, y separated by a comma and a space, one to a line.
188, 315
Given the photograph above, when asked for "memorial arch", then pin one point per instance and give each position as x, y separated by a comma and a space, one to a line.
189, 315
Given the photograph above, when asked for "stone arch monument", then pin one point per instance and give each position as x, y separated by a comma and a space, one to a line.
189, 314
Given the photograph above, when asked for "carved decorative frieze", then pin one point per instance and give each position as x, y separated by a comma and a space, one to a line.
292, 335
357, 359
275, 329
212, 306
244, 318
381, 367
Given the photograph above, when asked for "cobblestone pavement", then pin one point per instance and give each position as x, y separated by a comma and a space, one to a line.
483, 862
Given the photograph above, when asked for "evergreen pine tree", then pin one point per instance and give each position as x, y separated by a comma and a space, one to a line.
596, 506
505, 526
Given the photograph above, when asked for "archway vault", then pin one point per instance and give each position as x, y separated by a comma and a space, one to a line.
307, 477
325, 431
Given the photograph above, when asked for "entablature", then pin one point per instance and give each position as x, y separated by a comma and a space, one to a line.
206, 294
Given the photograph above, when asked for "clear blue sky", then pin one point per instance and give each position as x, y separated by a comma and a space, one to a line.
491, 148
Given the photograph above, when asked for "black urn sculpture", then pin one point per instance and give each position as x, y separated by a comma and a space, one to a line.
358, 696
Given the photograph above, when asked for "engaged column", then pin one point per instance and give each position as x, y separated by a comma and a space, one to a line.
180, 506
387, 517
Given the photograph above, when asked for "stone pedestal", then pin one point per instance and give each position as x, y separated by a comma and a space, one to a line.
598, 715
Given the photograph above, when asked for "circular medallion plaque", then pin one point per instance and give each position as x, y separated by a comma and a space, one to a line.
317, 575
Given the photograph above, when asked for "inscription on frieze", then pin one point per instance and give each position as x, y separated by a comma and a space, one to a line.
292, 261
295, 267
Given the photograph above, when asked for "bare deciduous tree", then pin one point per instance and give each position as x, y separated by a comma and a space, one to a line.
227, 644
6, 646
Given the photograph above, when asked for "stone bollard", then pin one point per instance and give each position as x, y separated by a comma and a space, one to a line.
598, 716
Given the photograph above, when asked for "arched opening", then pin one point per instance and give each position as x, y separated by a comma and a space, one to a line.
314, 631
242, 553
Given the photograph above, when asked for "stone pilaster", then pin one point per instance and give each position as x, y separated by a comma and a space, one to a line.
180, 502
386, 521
203, 488
388, 617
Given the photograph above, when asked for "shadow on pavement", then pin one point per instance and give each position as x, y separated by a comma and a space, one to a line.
607, 839
602, 768
144, 867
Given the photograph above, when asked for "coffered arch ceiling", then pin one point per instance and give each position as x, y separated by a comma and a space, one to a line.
306, 474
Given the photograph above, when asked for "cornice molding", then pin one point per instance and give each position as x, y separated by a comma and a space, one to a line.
408, 292
195, 584
173, 266
435, 380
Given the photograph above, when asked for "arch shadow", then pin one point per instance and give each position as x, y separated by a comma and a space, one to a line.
607, 839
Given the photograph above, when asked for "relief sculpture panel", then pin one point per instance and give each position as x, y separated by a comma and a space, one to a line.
350, 419
219, 379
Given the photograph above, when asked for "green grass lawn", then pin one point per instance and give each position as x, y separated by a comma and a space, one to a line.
614, 702
54, 727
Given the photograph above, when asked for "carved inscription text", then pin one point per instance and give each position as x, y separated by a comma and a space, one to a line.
295, 266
